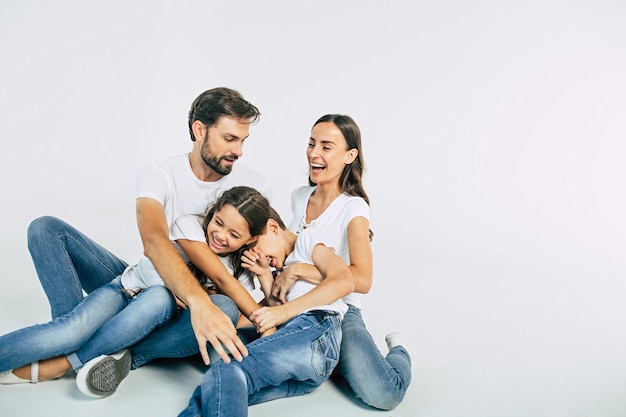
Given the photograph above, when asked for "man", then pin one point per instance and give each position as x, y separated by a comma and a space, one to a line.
67, 262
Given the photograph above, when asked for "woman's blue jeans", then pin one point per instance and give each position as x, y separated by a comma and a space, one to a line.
293, 361
68, 262
379, 381
106, 321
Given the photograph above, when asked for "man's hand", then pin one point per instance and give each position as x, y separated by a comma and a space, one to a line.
212, 325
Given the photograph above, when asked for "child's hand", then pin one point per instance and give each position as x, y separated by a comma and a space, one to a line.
284, 281
255, 261
267, 317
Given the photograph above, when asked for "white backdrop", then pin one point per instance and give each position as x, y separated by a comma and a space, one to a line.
495, 148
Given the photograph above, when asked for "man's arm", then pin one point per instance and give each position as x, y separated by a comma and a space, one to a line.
209, 323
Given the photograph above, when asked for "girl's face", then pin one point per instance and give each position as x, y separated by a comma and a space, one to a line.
327, 153
227, 231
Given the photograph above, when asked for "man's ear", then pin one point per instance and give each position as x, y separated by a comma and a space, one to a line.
199, 130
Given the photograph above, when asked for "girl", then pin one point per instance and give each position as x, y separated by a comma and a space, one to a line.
304, 350
336, 205
122, 312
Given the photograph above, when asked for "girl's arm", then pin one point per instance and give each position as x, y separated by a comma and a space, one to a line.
337, 282
207, 261
361, 263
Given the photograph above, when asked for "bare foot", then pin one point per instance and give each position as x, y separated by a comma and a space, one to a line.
48, 369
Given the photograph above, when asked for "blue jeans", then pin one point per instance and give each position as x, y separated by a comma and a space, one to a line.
106, 321
68, 262
295, 360
379, 381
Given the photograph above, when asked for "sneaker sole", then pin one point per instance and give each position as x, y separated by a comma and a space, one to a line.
100, 377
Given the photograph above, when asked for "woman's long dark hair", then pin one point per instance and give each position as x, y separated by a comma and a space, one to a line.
351, 179
252, 206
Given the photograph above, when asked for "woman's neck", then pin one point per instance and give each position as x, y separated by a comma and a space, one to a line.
320, 199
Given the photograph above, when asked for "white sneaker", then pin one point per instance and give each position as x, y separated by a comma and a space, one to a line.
398, 339
101, 376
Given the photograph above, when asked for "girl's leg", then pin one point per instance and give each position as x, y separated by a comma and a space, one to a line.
296, 359
148, 310
379, 381
176, 338
68, 262
64, 334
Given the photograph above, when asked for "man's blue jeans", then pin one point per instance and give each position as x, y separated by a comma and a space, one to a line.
68, 262
106, 321
293, 361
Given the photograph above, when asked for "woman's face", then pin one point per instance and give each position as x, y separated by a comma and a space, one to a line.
327, 153
227, 231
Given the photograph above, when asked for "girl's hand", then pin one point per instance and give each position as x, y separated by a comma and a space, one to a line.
267, 317
268, 332
284, 281
255, 261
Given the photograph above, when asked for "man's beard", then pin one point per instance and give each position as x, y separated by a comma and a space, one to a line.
215, 163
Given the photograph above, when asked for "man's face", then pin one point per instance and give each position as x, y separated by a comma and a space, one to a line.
222, 144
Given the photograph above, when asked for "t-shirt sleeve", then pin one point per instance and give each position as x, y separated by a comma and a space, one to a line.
357, 207
152, 182
188, 227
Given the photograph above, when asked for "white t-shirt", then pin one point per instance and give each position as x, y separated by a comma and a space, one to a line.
302, 252
332, 224
171, 182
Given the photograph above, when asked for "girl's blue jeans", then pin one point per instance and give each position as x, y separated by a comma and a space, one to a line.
293, 361
106, 321
68, 262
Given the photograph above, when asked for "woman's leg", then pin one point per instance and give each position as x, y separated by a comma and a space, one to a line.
379, 381
68, 262
293, 361
149, 309
64, 334
176, 338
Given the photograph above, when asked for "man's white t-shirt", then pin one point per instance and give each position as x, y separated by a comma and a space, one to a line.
332, 224
171, 182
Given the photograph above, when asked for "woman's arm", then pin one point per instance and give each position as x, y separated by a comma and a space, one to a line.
361, 263
337, 282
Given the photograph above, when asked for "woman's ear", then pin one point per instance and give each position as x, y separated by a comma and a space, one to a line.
351, 155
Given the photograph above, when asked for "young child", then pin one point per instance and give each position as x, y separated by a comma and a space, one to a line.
122, 312
304, 350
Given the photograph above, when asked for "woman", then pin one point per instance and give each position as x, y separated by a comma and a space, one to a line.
336, 205
118, 314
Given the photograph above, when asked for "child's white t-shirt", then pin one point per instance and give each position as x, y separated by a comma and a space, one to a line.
302, 253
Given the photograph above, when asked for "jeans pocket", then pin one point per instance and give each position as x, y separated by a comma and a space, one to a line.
325, 354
